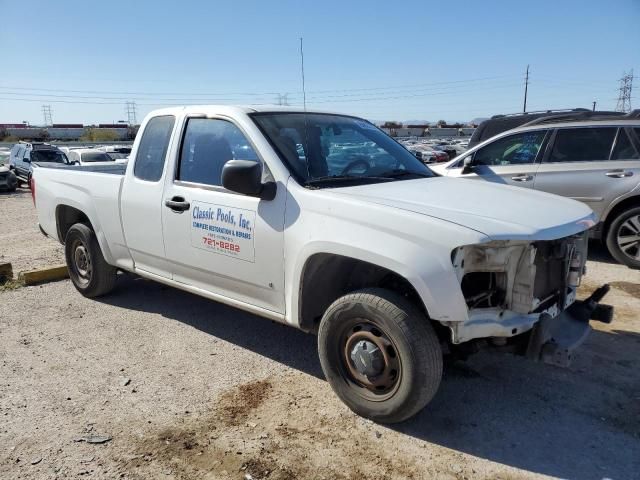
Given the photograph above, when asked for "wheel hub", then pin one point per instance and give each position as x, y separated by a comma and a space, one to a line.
629, 237
367, 358
82, 261
370, 358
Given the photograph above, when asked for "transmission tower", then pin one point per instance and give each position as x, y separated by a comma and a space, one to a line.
131, 113
46, 113
624, 98
283, 99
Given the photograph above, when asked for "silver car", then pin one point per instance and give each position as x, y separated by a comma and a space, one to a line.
594, 161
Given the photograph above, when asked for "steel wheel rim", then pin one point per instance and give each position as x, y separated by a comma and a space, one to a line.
82, 262
383, 385
628, 237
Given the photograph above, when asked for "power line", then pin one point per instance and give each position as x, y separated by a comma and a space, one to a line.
279, 97
261, 94
624, 98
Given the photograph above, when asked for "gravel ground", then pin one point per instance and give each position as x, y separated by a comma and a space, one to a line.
21, 243
178, 387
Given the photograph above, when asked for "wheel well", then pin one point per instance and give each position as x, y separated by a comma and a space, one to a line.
327, 277
66, 217
626, 204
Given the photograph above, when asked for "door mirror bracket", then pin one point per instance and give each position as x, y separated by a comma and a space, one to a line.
467, 166
245, 176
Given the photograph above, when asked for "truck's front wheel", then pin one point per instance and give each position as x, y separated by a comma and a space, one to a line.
380, 355
90, 273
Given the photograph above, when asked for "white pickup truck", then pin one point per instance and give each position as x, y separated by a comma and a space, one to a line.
323, 222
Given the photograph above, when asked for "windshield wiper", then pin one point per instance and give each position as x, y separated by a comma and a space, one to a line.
404, 173
329, 179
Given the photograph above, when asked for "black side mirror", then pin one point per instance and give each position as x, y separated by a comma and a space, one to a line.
245, 176
26, 160
468, 165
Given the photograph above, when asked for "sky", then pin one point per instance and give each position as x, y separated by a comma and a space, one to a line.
408, 60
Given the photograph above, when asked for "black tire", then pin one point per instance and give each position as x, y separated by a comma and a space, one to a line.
625, 226
412, 349
13, 182
90, 273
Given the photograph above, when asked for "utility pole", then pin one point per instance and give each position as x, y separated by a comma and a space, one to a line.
526, 88
594, 106
624, 98
131, 113
46, 113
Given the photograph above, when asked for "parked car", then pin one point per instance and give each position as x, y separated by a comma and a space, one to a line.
23, 155
4, 155
501, 123
594, 161
116, 152
8, 179
428, 154
385, 261
86, 156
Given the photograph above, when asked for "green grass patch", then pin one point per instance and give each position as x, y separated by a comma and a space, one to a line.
11, 285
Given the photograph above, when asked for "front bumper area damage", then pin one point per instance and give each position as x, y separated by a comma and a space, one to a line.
553, 340
524, 293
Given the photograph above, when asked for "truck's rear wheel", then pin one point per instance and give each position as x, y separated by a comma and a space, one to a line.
623, 238
90, 273
380, 355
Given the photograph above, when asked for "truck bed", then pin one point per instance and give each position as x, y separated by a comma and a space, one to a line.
115, 169
93, 190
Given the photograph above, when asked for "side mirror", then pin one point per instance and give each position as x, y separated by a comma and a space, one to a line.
245, 176
26, 160
467, 166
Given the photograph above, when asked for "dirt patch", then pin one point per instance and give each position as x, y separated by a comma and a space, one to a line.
299, 442
236, 405
632, 289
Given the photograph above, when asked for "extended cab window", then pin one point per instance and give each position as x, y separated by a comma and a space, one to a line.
624, 149
152, 150
582, 144
208, 144
519, 149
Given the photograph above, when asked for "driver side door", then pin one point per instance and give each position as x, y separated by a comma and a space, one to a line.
510, 160
225, 243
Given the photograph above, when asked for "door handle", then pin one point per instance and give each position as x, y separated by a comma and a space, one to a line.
522, 178
618, 174
177, 204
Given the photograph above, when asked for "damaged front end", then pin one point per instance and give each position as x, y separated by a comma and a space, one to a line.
524, 293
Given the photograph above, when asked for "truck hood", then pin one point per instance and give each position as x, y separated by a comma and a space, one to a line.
500, 212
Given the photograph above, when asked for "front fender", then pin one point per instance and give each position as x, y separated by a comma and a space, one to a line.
433, 279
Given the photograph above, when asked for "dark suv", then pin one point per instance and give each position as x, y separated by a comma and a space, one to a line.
23, 154
501, 123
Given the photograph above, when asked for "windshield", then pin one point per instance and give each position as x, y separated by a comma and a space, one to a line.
53, 156
95, 157
325, 148
117, 155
